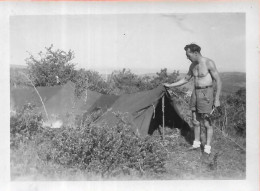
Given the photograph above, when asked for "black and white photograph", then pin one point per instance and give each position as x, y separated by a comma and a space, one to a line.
131, 93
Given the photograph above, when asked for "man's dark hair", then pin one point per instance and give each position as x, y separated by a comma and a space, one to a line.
193, 48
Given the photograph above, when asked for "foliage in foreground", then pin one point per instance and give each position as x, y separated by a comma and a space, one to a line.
94, 152
230, 117
24, 125
90, 148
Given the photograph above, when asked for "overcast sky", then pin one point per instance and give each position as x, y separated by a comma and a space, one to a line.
142, 42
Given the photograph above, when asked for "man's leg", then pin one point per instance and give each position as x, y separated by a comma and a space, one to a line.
209, 129
195, 121
196, 125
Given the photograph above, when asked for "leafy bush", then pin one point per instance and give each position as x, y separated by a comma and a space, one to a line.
231, 115
163, 77
44, 68
99, 149
91, 148
237, 112
86, 79
123, 82
24, 125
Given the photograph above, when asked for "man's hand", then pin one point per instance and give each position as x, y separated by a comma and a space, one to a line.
216, 103
166, 85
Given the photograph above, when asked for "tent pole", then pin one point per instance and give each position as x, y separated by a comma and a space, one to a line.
163, 122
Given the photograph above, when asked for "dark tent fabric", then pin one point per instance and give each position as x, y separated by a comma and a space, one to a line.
22, 96
143, 109
58, 100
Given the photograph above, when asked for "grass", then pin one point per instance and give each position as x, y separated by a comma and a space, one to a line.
228, 160
229, 163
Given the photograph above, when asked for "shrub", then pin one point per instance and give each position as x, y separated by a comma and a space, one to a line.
109, 151
24, 125
163, 77
231, 115
89, 147
86, 79
123, 82
44, 68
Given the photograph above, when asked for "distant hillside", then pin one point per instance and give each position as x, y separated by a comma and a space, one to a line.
231, 81
13, 66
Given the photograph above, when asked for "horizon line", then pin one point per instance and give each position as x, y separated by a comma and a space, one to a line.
111, 69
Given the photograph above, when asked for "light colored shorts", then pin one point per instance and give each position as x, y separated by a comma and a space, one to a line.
202, 100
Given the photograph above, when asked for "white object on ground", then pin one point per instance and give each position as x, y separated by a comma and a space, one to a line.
55, 124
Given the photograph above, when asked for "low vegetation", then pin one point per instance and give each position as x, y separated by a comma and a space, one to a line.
91, 149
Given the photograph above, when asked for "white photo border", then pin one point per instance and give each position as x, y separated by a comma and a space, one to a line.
250, 8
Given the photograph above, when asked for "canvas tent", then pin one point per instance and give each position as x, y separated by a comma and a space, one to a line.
143, 109
59, 101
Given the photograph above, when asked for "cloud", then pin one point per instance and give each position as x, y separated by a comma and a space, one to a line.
179, 20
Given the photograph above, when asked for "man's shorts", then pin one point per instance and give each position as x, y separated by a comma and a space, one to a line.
202, 100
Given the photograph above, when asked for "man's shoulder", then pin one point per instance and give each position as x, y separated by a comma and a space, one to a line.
209, 62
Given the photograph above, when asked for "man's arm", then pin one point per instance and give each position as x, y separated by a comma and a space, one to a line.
182, 81
215, 76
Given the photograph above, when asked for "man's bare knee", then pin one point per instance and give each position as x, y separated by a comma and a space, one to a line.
207, 124
206, 120
195, 123
195, 119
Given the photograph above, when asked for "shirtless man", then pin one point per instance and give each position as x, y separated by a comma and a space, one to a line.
202, 100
